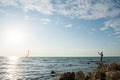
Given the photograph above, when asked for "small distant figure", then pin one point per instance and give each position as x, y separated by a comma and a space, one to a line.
28, 53
53, 74
101, 56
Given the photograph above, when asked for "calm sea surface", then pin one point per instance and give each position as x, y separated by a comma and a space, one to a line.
39, 68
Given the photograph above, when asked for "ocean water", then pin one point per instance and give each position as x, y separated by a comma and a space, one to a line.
39, 68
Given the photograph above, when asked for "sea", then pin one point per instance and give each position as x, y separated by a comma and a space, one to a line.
39, 68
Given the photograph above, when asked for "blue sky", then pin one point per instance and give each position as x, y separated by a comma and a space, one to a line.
59, 27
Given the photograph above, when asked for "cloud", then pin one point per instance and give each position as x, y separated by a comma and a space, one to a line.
114, 24
8, 2
87, 9
68, 25
82, 9
45, 21
117, 33
92, 10
42, 6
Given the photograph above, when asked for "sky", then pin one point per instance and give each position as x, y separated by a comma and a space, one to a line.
59, 27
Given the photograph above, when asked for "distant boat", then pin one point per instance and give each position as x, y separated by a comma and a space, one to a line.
28, 53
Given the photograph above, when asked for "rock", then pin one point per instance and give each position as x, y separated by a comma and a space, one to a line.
95, 75
53, 74
87, 78
113, 67
102, 72
112, 75
106, 72
68, 76
79, 76
102, 67
72, 76
119, 66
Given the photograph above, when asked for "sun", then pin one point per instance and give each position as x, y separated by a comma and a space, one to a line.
13, 36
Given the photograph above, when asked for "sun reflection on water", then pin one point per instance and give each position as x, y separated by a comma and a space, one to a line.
13, 60
12, 67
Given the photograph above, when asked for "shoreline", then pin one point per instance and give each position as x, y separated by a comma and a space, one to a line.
109, 71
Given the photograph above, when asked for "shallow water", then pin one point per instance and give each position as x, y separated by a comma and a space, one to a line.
39, 68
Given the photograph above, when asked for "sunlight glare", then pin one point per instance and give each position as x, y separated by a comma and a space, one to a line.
12, 67
13, 36
13, 60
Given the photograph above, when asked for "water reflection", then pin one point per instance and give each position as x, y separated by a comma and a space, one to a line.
13, 60
12, 67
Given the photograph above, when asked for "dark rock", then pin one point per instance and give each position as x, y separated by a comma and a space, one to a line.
68, 76
97, 75
102, 72
53, 74
79, 76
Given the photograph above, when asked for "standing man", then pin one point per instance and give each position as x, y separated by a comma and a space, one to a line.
101, 56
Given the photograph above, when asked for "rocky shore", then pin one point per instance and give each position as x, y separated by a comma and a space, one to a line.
102, 72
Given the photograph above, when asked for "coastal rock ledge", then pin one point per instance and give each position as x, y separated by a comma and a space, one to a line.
102, 72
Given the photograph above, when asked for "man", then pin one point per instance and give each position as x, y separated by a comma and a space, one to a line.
101, 56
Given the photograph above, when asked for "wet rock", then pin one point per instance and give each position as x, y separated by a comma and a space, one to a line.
53, 74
